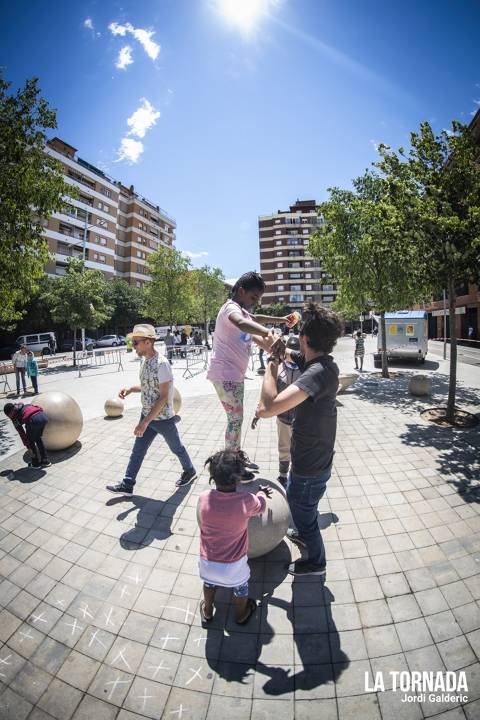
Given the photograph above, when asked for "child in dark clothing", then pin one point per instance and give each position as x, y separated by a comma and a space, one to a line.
35, 420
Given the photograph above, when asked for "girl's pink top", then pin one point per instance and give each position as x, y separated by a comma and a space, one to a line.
224, 523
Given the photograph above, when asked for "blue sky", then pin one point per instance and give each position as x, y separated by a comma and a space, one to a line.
227, 121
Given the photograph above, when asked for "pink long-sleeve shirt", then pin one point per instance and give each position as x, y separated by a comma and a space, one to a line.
224, 523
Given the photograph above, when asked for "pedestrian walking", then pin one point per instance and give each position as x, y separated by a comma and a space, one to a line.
35, 420
359, 353
32, 370
19, 361
223, 514
169, 343
313, 395
157, 415
52, 345
235, 329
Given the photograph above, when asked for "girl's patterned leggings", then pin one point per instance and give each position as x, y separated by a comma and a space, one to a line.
231, 397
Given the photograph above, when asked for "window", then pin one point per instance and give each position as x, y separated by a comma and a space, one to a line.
138, 283
281, 299
308, 263
44, 338
277, 221
31, 339
280, 276
295, 276
105, 191
103, 207
308, 276
327, 288
298, 297
306, 241
308, 287
295, 288
95, 256
139, 253
154, 232
294, 265
103, 223
279, 264
278, 242
278, 232
100, 240
280, 288
290, 241
102, 258
305, 231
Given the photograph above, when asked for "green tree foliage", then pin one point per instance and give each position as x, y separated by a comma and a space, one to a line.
367, 242
31, 189
169, 295
79, 299
128, 304
209, 294
275, 310
439, 181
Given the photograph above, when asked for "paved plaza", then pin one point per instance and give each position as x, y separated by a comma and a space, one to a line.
99, 594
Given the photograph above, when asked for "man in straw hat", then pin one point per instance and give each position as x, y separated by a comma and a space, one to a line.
157, 417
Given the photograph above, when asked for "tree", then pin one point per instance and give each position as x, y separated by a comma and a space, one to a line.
209, 294
128, 303
169, 294
367, 243
440, 179
31, 189
275, 309
79, 299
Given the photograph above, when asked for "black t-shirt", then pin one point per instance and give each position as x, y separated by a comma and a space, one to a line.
315, 424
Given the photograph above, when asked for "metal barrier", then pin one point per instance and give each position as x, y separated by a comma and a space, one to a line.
6, 368
99, 358
195, 356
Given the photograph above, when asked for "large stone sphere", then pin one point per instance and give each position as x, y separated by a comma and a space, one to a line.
177, 401
266, 531
345, 380
420, 385
65, 420
114, 407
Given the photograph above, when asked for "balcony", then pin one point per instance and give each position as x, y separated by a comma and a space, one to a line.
71, 232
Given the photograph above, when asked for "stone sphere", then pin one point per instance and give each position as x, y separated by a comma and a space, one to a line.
65, 420
266, 531
420, 385
177, 401
345, 380
114, 407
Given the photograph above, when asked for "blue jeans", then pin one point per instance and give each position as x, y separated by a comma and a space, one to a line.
168, 430
20, 373
303, 495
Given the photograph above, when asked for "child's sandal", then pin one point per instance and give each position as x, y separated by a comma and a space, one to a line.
205, 619
251, 607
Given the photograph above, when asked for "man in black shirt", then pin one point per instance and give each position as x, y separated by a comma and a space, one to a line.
314, 427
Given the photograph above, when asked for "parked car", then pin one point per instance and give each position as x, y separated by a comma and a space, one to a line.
38, 342
90, 344
109, 341
123, 339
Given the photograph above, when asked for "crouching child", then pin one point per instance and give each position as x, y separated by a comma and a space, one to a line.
35, 420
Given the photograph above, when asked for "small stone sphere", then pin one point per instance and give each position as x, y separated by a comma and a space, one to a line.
114, 407
266, 531
177, 401
65, 419
420, 385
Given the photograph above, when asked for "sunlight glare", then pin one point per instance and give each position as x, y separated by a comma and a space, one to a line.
242, 14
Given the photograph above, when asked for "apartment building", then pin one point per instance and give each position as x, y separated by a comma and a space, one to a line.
119, 227
291, 275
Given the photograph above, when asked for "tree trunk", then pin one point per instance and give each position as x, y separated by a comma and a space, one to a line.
205, 324
452, 382
74, 347
384, 345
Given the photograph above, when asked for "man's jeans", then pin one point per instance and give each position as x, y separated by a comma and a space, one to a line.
303, 495
20, 373
168, 430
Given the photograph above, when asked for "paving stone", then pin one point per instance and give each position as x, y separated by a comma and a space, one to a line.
60, 700
12, 706
413, 634
92, 709
31, 682
147, 698
78, 670
382, 640
456, 653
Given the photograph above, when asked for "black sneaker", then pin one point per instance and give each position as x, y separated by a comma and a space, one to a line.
34, 463
295, 537
246, 460
186, 477
45, 463
120, 487
305, 567
282, 479
247, 477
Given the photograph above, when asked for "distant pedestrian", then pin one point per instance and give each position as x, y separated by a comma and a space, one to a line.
52, 345
183, 344
471, 333
169, 343
224, 515
35, 420
359, 350
157, 416
32, 370
19, 361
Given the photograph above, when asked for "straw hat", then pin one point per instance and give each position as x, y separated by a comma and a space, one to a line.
144, 331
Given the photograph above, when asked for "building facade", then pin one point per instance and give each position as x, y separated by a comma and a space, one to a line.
291, 275
120, 228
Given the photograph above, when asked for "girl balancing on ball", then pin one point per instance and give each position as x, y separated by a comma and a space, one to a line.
235, 329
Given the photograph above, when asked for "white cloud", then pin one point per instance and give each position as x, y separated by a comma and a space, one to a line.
477, 102
374, 144
88, 23
124, 58
143, 118
144, 37
193, 255
139, 123
130, 150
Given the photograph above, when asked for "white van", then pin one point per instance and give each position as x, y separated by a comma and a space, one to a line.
407, 335
38, 342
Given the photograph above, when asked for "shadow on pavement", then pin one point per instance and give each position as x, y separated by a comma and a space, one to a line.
154, 517
24, 475
6, 440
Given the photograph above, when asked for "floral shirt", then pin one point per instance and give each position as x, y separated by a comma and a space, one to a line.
153, 372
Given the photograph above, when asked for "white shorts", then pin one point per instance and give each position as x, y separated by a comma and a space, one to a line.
228, 575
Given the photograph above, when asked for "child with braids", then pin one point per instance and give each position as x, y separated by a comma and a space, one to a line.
224, 515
